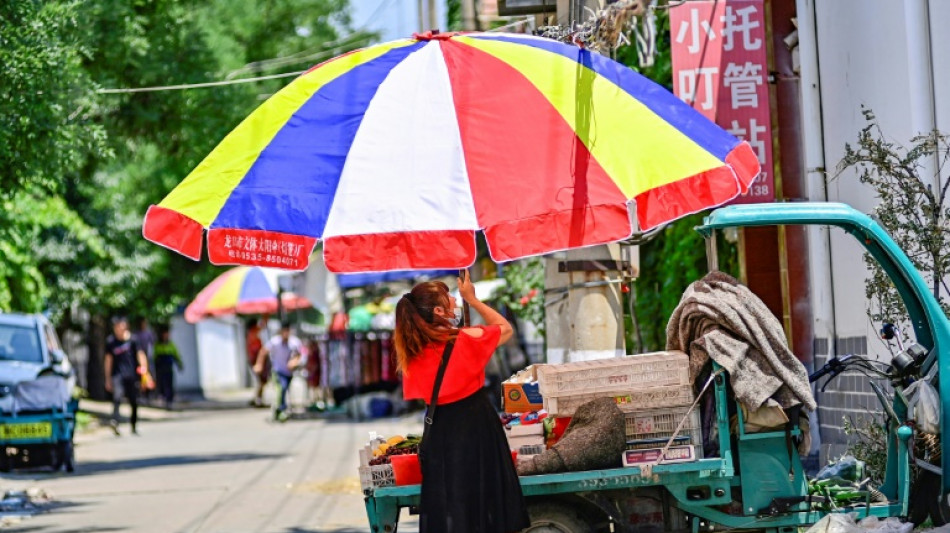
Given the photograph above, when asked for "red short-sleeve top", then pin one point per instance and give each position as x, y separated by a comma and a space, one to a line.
465, 374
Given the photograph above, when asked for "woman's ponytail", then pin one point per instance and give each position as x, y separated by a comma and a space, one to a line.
417, 325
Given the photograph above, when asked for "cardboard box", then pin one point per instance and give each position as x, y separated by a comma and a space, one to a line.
521, 393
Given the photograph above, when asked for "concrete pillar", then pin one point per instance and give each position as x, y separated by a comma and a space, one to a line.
584, 305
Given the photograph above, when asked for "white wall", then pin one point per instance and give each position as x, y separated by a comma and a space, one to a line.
213, 353
862, 61
183, 337
864, 53
221, 354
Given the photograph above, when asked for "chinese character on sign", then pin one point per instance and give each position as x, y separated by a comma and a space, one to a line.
743, 80
740, 21
690, 86
752, 135
720, 67
227, 241
693, 27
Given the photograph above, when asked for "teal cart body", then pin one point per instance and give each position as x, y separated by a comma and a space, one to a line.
755, 483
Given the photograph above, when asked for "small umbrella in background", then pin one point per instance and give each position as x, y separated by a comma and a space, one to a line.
242, 291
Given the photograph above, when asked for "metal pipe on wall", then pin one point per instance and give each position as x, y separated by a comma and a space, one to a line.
822, 280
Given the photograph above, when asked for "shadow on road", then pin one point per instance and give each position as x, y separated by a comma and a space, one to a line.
93, 468
103, 467
341, 530
64, 529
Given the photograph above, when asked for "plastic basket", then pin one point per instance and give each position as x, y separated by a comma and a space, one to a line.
636, 372
649, 398
653, 428
376, 476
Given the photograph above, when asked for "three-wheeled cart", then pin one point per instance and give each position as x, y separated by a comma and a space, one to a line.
757, 481
37, 425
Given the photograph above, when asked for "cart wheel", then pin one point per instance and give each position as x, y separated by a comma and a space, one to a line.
925, 500
550, 518
939, 510
919, 508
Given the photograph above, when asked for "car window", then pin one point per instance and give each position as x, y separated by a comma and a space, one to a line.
20, 343
52, 341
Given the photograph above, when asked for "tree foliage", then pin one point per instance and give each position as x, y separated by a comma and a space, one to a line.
913, 207
524, 290
45, 95
83, 166
668, 264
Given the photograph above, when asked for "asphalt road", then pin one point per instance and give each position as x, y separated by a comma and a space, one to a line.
211, 470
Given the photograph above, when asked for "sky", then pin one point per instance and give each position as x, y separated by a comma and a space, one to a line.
394, 19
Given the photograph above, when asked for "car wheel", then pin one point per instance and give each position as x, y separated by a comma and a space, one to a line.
69, 457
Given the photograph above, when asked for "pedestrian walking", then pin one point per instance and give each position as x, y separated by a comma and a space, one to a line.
145, 337
166, 360
469, 483
284, 352
253, 344
125, 365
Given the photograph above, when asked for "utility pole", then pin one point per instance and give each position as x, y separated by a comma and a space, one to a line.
433, 16
422, 22
468, 15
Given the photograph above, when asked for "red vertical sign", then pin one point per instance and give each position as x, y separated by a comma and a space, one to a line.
720, 67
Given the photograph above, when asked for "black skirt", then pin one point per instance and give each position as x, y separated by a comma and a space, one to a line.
469, 483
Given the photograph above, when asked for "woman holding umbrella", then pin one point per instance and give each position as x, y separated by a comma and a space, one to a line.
469, 480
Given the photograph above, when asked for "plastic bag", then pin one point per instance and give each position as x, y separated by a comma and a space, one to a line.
924, 406
835, 523
891, 525
848, 468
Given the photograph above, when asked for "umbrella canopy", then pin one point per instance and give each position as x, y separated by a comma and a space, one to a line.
241, 290
395, 155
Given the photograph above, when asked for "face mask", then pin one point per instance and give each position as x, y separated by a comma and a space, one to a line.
457, 319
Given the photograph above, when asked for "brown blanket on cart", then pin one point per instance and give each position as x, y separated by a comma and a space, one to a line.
718, 318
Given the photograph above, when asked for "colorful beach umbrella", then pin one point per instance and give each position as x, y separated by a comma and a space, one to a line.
241, 290
395, 155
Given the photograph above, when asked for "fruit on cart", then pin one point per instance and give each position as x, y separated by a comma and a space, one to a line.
397, 445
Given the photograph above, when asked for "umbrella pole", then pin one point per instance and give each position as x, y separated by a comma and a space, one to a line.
466, 310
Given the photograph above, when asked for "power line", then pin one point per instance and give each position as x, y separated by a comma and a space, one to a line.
343, 41
353, 38
199, 85
293, 58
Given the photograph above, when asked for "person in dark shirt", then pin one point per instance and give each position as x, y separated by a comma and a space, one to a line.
166, 358
125, 364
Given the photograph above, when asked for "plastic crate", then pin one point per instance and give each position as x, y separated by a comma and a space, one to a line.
376, 476
647, 398
634, 372
653, 428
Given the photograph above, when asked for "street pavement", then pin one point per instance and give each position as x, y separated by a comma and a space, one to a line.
212, 467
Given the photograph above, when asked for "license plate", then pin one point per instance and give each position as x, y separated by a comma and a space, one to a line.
38, 430
675, 454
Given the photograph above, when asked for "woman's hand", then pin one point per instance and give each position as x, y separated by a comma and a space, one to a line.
466, 288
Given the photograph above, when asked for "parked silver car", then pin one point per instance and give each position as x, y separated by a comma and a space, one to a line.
29, 348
